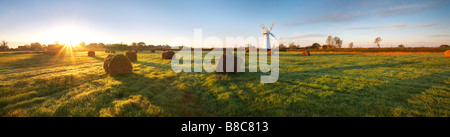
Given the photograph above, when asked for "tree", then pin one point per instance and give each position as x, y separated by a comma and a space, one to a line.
337, 42
36, 46
118, 46
444, 46
134, 44
101, 45
333, 42
401, 46
141, 44
82, 44
350, 45
292, 46
4, 46
92, 46
315, 46
330, 40
282, 46
377, 41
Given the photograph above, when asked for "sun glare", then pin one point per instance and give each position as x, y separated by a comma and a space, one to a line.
70, 36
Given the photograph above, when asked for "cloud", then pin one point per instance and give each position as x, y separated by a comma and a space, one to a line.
439, 36
333, 17
365, 28
404, 9
424, 44
302, 39
396, 27
380, 11
308, 36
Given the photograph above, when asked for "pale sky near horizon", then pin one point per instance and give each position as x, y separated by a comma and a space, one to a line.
408, 22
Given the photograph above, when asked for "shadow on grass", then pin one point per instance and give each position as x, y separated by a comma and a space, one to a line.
45, 90
362, 66
156, 65
34, 61
397, 93
335, 70
160, 92
98, 58
315, 54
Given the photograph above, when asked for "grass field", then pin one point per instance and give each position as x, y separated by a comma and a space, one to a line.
322, 85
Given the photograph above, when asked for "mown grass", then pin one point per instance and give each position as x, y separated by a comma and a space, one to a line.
325, 85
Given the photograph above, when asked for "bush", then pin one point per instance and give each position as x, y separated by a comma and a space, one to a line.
315, 46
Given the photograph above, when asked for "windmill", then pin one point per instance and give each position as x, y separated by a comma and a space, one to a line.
266, 32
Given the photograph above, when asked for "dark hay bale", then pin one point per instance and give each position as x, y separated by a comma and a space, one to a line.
112, 51
221, 65
306, 53
107, 51
447, 53
107, 61
117, 64
167, 55
131, 55
91, 53
152, 51
52, 53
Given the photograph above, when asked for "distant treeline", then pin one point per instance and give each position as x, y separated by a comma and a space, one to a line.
36, 46
121, 46
409, 49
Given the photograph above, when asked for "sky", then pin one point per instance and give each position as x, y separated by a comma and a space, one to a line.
408, 22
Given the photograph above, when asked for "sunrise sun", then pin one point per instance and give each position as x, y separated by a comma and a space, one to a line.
68, 35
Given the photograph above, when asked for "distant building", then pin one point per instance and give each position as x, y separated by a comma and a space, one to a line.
24, 48
53, 47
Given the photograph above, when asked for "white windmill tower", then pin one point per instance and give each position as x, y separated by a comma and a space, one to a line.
266, 34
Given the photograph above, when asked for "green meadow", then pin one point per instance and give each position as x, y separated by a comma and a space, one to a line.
320, 85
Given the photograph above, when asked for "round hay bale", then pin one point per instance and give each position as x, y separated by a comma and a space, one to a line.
107, 51
107, 61
131, 55
167, 55
91, 53
117, 64
224, 66
52, 53
447, 53
152, 51
306, 53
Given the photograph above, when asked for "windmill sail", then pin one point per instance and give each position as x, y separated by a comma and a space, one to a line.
266, 32
271, 26
273, 36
